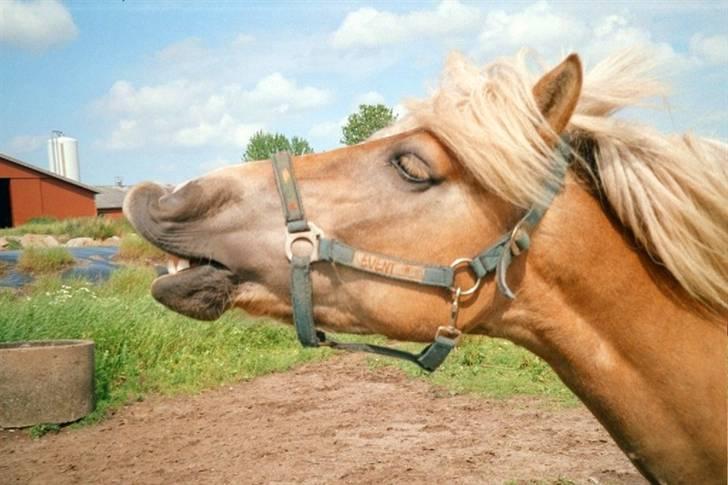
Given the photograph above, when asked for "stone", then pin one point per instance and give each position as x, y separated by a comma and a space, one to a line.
3, 242
38, 241
112, 241
81, 242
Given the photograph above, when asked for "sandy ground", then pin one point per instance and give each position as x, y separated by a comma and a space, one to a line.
330, 422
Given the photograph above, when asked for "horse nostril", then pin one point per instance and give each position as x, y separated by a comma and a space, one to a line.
185, 203
142, 199
171, 202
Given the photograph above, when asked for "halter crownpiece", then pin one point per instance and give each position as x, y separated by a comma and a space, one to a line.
496, 258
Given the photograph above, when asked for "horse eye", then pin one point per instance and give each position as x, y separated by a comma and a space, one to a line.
412, 168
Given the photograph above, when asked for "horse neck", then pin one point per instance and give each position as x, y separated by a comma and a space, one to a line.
625, 337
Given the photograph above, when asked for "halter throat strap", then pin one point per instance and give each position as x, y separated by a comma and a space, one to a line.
495, 258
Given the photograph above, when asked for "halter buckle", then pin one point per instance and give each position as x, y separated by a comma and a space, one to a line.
516, 233
312, 236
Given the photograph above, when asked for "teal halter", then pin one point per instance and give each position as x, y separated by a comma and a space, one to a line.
496, 258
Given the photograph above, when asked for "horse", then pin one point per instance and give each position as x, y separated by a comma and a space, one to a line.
621, 287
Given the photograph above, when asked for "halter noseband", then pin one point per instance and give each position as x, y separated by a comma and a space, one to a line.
496, 258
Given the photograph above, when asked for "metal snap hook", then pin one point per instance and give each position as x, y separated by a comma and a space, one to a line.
455, 308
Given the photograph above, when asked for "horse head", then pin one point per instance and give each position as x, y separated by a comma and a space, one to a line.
621, 290
405, 195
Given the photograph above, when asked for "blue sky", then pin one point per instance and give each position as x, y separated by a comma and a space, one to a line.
168, 90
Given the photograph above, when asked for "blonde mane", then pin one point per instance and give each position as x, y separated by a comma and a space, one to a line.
670, 191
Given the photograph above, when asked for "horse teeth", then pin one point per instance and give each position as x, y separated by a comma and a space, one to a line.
183, 264
171, 267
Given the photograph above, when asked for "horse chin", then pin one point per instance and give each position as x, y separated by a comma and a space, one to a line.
203, 292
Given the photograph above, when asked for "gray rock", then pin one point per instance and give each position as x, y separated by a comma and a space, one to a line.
112, 241
38, 241
81, 242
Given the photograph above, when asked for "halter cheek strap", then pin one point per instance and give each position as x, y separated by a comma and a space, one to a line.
496, 258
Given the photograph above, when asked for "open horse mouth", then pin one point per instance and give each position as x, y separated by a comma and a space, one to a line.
196, 285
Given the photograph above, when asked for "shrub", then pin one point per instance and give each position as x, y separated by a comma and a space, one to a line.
13, 245
93, 227
45, 260
42, 220
135, 248
262, 145
367, 120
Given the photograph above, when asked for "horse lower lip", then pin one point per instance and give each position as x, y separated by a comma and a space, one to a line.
201, 291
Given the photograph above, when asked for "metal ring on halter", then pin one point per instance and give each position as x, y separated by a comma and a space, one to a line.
312, 236
462, 262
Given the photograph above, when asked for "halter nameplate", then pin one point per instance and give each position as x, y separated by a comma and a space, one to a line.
394, 268
496, 258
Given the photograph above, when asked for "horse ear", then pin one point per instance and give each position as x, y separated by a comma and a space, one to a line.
557, 93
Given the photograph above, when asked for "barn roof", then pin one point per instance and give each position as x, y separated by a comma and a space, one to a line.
110, 196
48, 173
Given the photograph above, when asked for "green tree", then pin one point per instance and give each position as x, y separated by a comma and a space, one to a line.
370, 118
262, 145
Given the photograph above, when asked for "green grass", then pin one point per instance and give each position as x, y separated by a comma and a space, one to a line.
93, 227
40, 430
493, 368
135, 248
141, 347
13, 245
45, 260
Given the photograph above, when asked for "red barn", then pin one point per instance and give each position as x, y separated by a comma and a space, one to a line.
27, 191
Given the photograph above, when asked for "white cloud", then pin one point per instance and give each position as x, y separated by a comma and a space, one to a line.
35, 25
216, 94
276, 90
399, 110
242, 40
537, 26
553, 32
126, 135
27, 143
327, 129
123, 97
370, 97
713, 49
184, 113
369, 27
216, 163
225, 131
615, 32
186, 50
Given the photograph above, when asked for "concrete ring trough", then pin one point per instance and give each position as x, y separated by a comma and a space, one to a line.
45, 381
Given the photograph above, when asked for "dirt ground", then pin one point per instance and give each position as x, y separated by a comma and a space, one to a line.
329, 422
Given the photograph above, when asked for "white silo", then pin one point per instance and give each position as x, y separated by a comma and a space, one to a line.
63, 156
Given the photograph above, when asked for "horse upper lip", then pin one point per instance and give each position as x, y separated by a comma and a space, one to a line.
159, 224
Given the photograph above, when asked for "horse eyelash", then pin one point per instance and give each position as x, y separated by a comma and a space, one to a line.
406, 175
